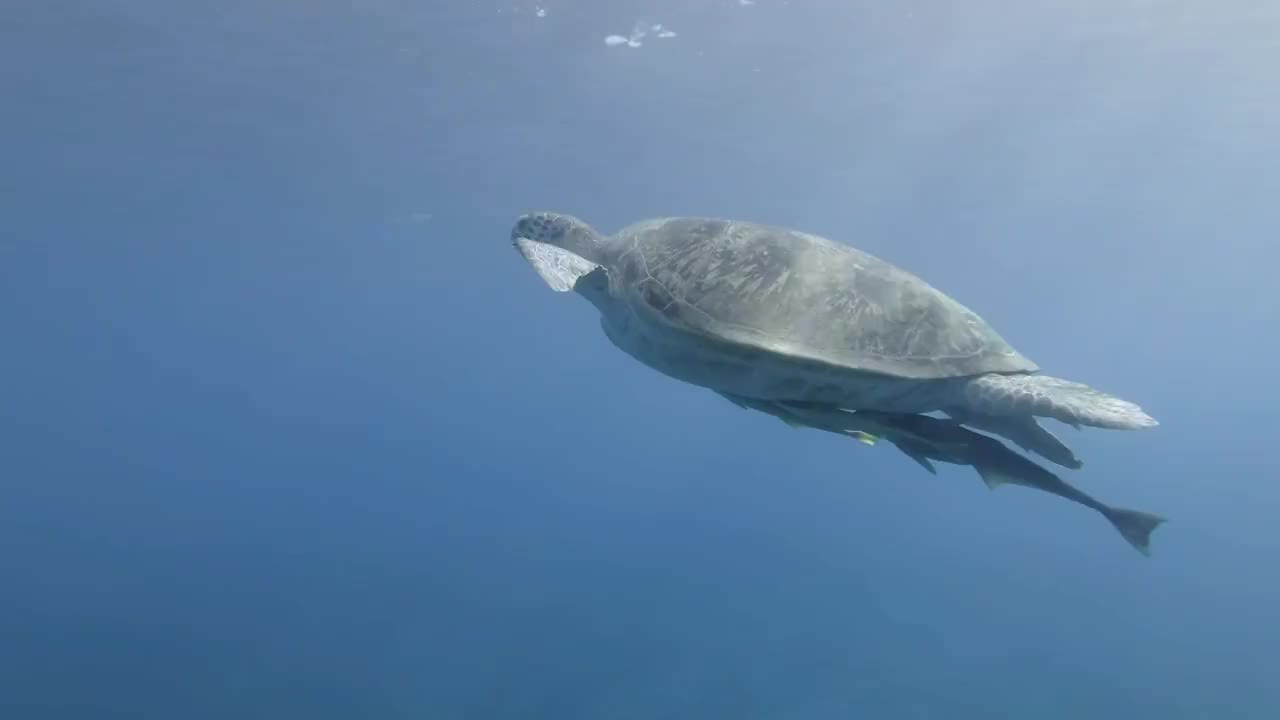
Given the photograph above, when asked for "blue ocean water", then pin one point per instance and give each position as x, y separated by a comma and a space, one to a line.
288, 430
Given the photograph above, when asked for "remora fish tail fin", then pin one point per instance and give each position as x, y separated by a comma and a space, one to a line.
915, 453
1026, 432
1135, 526
993, 476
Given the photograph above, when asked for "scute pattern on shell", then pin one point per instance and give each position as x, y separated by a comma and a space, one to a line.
805, 296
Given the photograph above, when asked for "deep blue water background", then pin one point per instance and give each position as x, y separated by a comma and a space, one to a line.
288, 430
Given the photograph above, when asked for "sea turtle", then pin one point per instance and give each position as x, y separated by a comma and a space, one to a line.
798, 326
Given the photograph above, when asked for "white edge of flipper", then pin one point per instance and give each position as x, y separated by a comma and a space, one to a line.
558, 267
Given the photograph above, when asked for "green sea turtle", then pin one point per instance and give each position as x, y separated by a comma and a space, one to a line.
775, 318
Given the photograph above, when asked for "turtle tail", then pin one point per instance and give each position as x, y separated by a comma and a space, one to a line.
1044, 396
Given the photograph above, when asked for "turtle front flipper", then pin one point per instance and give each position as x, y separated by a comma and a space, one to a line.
558, 267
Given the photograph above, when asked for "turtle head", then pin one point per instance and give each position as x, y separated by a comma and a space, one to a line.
565, 252
562, 231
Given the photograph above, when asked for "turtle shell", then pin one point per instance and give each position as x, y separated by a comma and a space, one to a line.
803, 296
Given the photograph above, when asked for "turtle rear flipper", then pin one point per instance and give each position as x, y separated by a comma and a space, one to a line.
1044, 396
